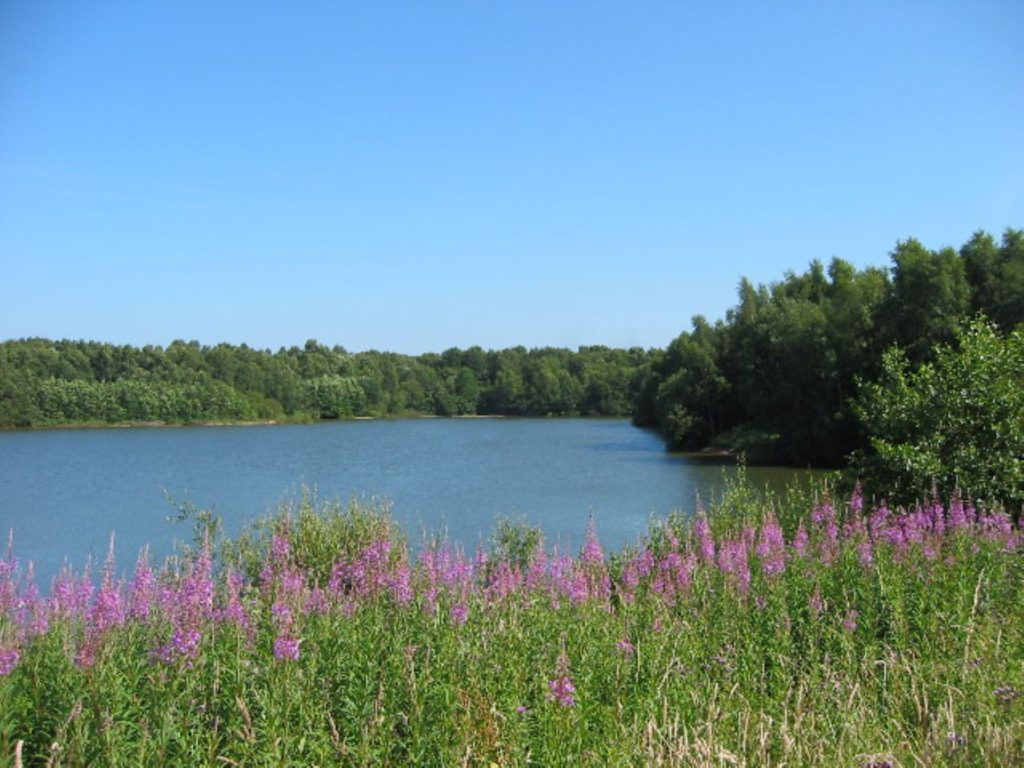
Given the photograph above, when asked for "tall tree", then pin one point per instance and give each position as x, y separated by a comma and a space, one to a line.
930, 295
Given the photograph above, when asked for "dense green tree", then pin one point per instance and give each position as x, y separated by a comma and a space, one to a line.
467, 391
549, 387
930, 295
982, 264
334, 397
507, 393
1008, 310
996, 274
691, 396
75, 381
776, 379
955, 421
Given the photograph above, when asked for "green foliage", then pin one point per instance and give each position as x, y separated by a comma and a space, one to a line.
691, 397
46, 382
320, 532
773, 380
930, 296
958, 420
334, 397
515, 542
996, 274
777, 379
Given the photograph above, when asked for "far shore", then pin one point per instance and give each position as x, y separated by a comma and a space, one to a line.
230, 423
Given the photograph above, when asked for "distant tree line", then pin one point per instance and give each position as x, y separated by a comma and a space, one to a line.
780, 376
811, 370
45, 382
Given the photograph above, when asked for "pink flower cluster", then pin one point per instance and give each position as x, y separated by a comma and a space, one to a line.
181, 604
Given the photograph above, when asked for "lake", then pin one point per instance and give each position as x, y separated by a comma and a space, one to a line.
64, 491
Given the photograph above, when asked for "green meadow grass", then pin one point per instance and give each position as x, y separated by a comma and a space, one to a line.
321, 639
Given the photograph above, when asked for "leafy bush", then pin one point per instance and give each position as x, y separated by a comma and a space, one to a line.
957, 421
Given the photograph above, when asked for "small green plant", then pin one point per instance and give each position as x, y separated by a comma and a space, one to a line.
515, 541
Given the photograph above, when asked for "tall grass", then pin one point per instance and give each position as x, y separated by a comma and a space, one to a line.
757, 633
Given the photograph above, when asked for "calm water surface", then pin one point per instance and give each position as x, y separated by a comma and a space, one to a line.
63, 492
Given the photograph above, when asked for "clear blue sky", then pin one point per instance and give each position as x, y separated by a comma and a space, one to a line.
415, 176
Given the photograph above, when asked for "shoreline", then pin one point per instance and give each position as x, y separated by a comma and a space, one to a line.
241, 423
142, 425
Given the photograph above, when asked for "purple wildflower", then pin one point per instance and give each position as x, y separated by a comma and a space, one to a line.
638, 568
185, 642
815, 603
316, 602
771, 548
824, 517
281, 612
234, 611
140, 594
8, 567
286, 648
504, 582
577, 586
674, 575
857, 500
480, 559
108, 609
32, 615
280, 550
82, 593
850, 622
938, 516
106, 612
627, 648
914, 525
568, 579
562, 691
190, 607
854, 527
800, 540
823, 513
704, 539
865, 553
957, 516
8, 660
996, 526
733, 560
970, 513
879, 521
293, 583
62, 592
536, 571
592, 553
